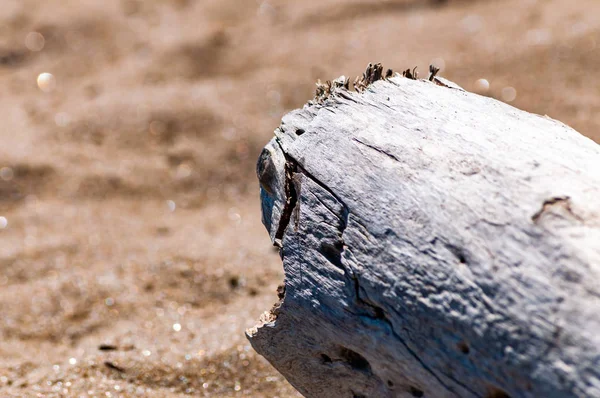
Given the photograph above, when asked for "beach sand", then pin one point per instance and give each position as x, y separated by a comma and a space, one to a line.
132, 257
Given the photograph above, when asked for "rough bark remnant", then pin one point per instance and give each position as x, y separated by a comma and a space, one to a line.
436, 243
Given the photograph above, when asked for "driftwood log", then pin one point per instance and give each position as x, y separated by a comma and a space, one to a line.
436, 243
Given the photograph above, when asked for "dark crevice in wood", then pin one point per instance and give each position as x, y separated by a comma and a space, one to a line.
352, 358
291, 198
415, 392
376, 149
370, 310
463, 347
495, 392
333, 252
458, 252
355, 360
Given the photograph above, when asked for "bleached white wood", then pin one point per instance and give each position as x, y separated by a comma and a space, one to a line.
435, 243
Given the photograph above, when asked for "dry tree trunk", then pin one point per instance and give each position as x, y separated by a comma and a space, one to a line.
436, 243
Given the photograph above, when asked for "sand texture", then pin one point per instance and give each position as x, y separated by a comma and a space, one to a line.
132, 257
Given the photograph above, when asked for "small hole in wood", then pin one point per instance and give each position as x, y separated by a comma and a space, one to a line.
325, 358
415, 392
463, 347
458, 252
495, 392
379, 313
390, 384
300, 131
355, 360
333, 252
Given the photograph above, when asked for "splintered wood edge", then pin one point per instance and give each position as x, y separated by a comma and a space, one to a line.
374, 72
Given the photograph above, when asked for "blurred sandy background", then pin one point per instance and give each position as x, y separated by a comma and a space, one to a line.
132, 256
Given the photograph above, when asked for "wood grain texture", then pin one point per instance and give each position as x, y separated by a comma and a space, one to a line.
435, 243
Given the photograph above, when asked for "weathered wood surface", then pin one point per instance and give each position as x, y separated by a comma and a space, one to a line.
436, 243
